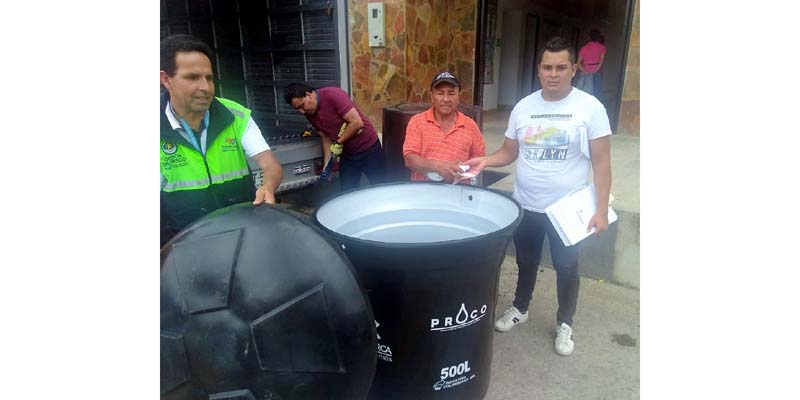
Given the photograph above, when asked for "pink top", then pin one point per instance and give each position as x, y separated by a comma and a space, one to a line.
591, 53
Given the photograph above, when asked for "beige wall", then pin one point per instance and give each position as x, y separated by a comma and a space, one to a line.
423, 37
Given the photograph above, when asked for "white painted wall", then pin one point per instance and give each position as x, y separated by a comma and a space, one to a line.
510, 58
490, 90
528, 70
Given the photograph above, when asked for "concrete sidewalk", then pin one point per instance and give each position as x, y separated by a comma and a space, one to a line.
605, 364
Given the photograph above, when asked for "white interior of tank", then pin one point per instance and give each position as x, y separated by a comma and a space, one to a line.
417, 213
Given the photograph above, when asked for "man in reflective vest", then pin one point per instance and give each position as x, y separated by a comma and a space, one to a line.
204, 141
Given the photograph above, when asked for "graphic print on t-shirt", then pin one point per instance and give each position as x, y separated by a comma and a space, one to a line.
546, 141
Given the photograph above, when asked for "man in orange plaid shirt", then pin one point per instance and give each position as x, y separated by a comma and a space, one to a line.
438, 138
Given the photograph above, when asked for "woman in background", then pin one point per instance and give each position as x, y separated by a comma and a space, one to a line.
590, 60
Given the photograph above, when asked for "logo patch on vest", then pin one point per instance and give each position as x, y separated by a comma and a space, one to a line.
230, 144
168, 148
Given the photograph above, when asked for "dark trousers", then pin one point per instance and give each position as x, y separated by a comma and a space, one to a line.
528, 240
371, 162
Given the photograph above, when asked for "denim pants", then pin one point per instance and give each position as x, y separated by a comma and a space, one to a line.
597, 84
371, 162
591, 83
528, 240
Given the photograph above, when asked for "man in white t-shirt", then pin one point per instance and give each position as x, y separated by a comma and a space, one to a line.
557, 133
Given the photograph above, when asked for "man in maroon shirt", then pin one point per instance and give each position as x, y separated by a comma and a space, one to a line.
358, 146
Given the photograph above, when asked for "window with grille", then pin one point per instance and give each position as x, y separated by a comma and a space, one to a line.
259, 48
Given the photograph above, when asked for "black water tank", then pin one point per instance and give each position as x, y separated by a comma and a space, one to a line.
257, 304
428, 255
395, 120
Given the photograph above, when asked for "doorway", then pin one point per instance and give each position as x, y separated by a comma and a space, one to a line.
529, 81
523, 28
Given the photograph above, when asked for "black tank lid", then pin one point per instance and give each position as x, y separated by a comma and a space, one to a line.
257, 304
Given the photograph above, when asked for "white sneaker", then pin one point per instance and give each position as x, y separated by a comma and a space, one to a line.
564, 343
510, 319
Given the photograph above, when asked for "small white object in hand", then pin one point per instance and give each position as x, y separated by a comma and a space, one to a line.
434, 176
466, 174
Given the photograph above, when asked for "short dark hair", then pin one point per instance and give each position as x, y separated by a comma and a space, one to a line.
296, 90
556, 44
171, 45
595, 35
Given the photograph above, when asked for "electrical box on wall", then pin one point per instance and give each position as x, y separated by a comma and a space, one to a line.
375, 24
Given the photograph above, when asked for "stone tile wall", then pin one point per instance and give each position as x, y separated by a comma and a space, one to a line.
423, 37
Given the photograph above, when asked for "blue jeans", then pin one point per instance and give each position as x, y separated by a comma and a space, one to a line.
371, 162
597, 81
528, 240
591, 83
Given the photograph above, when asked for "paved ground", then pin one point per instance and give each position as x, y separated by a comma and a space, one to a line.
605, 364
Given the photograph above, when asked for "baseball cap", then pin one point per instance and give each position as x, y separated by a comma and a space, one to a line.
445, 76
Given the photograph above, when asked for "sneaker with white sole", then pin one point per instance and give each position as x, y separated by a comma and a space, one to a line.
564, 344
511, 318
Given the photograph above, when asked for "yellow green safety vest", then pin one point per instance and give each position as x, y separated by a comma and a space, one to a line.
197, 184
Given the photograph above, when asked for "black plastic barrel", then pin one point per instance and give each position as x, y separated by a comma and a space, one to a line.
256, 303
428, 255
395, 120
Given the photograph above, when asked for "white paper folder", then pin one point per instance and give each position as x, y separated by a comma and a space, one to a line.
570, 215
